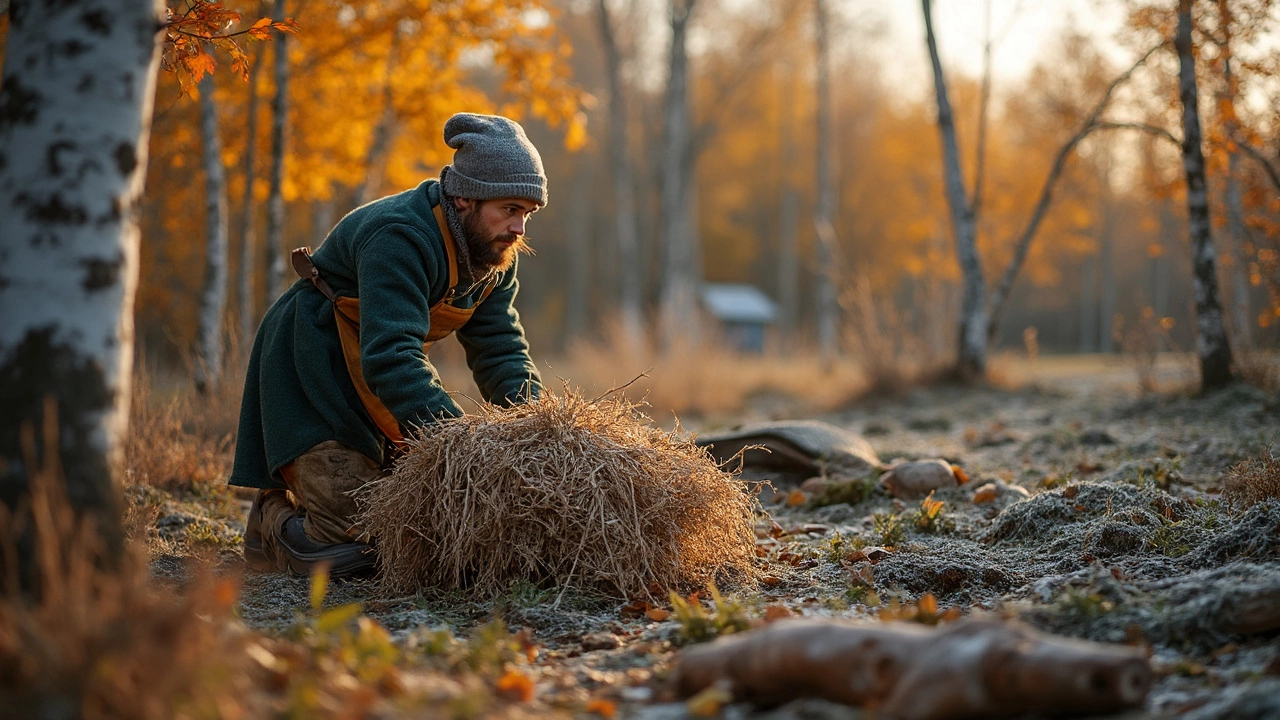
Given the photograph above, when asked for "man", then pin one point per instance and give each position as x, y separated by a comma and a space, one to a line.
339, 371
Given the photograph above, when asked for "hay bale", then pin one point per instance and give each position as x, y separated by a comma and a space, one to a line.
563, 491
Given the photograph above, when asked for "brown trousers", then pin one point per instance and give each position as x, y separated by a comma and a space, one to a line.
322, 481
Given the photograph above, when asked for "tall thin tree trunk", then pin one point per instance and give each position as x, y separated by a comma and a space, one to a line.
1107, 283
1089, 304
788, 263
274, 248
1212, 345
1237, 233
244, 283
679, 302
73, 157
971, 360
383, 131
578, 301
213, 295
826, 300
631, 300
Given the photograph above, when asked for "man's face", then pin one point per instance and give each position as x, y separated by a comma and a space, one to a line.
494, 230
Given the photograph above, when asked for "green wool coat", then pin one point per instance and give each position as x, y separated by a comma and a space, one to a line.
298, 393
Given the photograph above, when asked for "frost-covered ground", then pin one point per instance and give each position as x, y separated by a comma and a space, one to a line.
1122, 536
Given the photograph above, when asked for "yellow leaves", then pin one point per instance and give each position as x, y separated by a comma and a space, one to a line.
709, 702
604, 708
319, 586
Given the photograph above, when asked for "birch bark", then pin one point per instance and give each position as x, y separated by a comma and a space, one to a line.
971, 359
624, 201
826, 300
680, 284
1236, 231
213, 294
75, 110
244, 283
274, 248
1212, 346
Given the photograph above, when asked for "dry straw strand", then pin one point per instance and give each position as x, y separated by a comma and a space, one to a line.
563, 491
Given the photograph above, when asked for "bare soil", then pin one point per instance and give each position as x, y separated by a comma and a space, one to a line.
1123, 536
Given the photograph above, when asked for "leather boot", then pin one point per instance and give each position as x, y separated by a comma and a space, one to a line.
302, 555
266, 517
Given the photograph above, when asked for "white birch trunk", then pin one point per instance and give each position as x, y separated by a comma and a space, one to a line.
1212, 346
213, 295
826, 301
971, 360
274, 248
624, 201
244, 283
679, 294
1237, 232
75, 111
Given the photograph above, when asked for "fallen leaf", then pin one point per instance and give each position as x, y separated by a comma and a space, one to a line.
927, 604
985, 494
961, 476
771, 580
796, 498
603, 708
633, 609
657, 614
777, 612
515, 686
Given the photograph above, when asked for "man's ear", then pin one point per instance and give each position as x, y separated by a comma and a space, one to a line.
463, 203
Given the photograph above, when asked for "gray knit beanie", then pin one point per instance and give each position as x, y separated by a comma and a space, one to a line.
492, 159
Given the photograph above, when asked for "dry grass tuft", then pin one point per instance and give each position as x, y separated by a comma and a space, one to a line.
93, 638
1252, 481
580, 493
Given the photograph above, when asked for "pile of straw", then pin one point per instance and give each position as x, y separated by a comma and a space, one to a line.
582, 494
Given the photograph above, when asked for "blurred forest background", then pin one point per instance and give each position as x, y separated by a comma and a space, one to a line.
770, 142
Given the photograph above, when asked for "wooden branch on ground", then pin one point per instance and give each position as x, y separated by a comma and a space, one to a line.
1000, 293
971, 668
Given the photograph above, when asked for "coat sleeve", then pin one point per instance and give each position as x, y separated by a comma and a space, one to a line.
497, 351
396, 270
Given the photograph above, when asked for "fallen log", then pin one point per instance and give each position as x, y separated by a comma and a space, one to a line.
968, 669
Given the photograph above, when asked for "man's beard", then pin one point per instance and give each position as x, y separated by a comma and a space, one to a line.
490, 252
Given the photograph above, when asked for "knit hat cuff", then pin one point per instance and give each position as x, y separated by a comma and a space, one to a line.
528, 186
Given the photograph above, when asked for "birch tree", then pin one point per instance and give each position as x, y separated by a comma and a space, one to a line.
213, 295
273, 248
680, 283
971, 359
624, 194
1212, 346
244, 282
828, 269
75, 108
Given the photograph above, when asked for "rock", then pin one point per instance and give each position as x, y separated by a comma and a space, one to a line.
809, 446
815, 485
998, 490
599, 641
918, 478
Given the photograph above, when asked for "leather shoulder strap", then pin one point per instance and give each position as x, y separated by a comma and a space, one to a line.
450, 248
302, 264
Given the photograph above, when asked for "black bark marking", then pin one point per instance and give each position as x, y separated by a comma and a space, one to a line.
97, 22
73, 48
100, 274
39, 367
4, 160
52, 211
110, 217
55, 166
19, 105
17, 13
126, 159
86, 84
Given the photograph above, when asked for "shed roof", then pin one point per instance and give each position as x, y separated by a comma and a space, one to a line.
734, 302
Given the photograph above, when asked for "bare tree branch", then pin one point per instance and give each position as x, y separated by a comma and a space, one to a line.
1000, 292
984, 104
1272, 173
